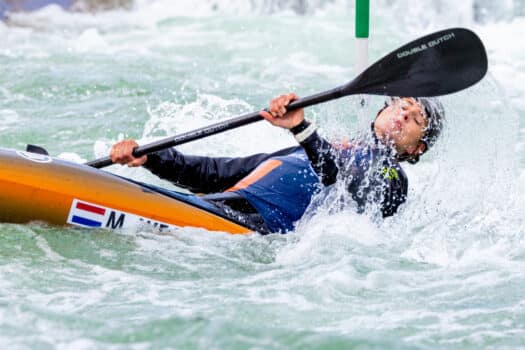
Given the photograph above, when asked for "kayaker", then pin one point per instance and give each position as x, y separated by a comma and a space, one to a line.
270, 192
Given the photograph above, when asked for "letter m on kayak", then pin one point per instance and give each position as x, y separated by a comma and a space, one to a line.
114, 222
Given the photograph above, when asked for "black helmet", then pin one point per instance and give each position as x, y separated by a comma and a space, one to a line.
435, 117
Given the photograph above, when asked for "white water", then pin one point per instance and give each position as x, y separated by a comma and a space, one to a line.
444, 273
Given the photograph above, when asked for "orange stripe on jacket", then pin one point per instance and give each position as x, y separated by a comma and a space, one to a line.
259, 172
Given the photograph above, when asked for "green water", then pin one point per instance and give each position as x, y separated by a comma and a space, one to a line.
447, 272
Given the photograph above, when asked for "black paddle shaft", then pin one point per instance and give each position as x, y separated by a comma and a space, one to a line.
437, 64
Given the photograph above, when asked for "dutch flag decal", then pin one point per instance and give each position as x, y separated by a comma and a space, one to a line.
86, 214
92, 215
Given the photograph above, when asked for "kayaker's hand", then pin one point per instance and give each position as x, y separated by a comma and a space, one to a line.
122, 153
277, 112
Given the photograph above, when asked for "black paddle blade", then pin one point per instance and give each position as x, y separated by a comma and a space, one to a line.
36, 149
437, 64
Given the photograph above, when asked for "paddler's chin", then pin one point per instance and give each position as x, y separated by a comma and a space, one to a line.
387, 130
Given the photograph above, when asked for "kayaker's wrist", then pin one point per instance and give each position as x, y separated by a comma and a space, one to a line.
300, 127
151, 160
303, 130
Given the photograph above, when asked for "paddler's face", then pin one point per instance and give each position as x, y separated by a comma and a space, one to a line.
402, 124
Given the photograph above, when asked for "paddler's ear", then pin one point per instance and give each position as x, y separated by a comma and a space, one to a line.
421, 148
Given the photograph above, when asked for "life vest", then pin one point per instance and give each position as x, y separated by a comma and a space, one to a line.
280, 189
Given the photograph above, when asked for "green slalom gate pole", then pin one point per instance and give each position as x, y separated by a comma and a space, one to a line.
362, 26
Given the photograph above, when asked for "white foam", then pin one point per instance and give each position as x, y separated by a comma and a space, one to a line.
90, 40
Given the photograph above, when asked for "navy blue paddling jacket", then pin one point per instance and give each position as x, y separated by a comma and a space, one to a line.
269, 192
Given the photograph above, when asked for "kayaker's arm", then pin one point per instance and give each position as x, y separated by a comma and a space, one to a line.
198, 174
203, 174
320, 152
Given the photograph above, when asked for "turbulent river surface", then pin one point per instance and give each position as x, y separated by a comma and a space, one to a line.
447, 272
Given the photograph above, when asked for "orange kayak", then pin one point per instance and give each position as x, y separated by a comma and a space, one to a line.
35, 187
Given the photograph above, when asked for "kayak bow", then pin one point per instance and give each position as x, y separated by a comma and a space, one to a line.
35, 187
